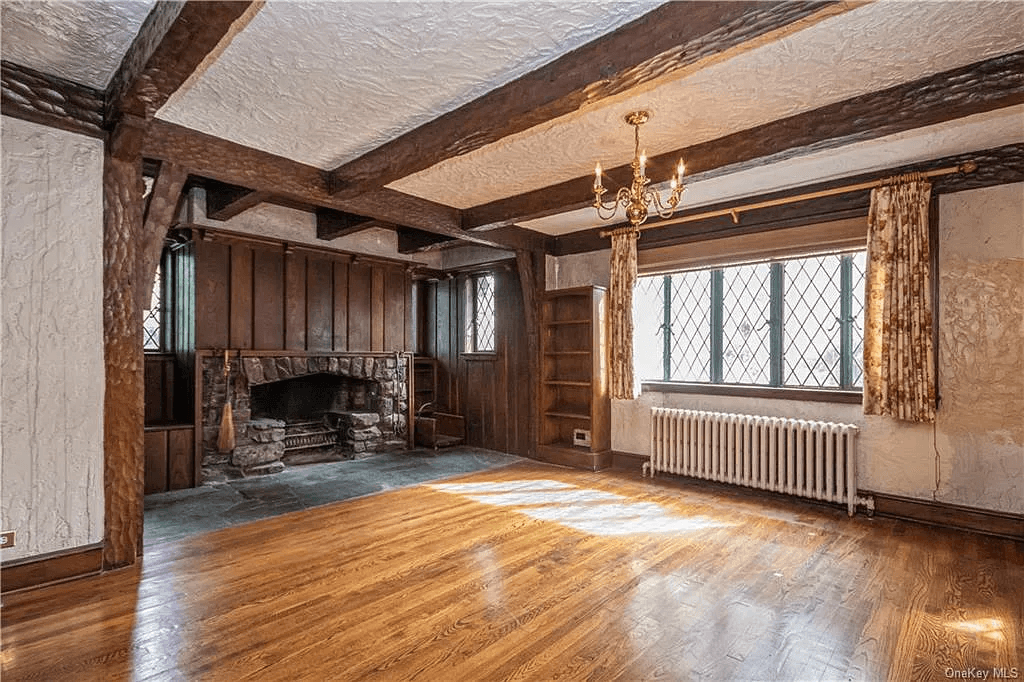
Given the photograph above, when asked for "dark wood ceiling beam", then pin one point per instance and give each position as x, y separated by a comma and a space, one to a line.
659, 45
977, 88
417, 241
995, 166
51, 101
175, 44
224, 201
292, 182
331, 224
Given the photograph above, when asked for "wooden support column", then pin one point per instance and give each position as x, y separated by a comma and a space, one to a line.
123, 412
531, 274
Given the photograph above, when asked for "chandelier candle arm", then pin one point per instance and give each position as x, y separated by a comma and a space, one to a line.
638, 200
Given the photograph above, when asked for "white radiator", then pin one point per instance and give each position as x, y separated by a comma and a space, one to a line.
817, 460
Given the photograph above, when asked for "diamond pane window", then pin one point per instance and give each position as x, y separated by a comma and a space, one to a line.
648, 327
813, 322
480, 314
153, 317
746, 333
788, 323
690, 309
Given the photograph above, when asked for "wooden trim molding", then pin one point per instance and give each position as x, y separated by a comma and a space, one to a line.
22, 574
976, 88
51, 101
663, 44
987, 522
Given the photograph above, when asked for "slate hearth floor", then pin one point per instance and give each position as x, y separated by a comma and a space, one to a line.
181, 513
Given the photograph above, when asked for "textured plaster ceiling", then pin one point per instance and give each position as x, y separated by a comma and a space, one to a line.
978, 132
870, 48
81, 41
344, 78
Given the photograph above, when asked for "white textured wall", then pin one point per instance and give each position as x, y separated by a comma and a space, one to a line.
974, 455
52, 372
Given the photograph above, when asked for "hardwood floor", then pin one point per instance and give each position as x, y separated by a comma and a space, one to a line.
533, 572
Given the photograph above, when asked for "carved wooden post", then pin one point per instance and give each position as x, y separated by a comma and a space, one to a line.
123, 412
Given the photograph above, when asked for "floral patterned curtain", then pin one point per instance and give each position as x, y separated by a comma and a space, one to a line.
620, 311
899, 367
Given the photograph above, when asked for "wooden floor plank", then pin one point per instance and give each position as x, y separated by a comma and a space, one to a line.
534, 572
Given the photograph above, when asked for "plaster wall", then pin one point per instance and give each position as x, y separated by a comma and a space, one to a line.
52, 369
974, 454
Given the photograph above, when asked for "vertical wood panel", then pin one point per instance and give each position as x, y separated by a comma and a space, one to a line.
155, 453
378, 310
340, 306
394, 309
295, 301
241, 317
319, 313
268, 288
213, 268
359, 307
179, 459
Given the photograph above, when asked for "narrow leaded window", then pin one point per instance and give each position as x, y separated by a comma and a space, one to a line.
791, 323
480, 314
153, 317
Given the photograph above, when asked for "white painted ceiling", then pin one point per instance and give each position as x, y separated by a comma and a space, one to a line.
324, 82
82, 41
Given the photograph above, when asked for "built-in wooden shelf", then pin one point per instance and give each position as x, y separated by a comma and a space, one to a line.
572, 395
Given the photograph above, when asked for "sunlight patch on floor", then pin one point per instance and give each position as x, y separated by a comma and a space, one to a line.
597, 512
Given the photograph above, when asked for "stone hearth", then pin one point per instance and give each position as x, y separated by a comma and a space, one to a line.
306, 407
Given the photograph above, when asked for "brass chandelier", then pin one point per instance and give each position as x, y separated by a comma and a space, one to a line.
638, 199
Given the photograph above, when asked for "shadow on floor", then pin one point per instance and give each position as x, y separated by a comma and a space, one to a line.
181, 513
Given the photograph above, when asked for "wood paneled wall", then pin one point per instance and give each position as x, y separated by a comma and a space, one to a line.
491, 390
252, 296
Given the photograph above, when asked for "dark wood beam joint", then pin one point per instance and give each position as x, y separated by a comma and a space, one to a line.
417, 241
224, 201
331, 224
161, 211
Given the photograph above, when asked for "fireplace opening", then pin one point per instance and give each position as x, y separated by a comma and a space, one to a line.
310, 398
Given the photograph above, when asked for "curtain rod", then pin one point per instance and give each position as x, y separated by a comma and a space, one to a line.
966, 167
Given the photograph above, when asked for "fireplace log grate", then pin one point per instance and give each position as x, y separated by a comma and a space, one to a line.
309, 435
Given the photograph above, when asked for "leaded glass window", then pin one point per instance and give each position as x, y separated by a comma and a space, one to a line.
153, 316
480, 314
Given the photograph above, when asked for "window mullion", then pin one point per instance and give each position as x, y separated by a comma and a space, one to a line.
717, 317
846, 322
666, 329
778, 275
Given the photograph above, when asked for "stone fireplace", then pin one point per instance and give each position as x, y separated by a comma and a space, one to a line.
291, 409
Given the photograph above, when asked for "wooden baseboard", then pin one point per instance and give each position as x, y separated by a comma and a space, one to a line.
999, 524
36, 571
577, 458
628, 460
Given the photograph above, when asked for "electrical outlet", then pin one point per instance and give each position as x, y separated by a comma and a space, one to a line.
7, 539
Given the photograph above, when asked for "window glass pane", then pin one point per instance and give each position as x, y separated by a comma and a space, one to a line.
746, 330
484, 319
857, 311
648, 315
152, 318
813, 326
691, 326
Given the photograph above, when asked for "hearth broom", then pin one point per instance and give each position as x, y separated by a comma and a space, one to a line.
226, 439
